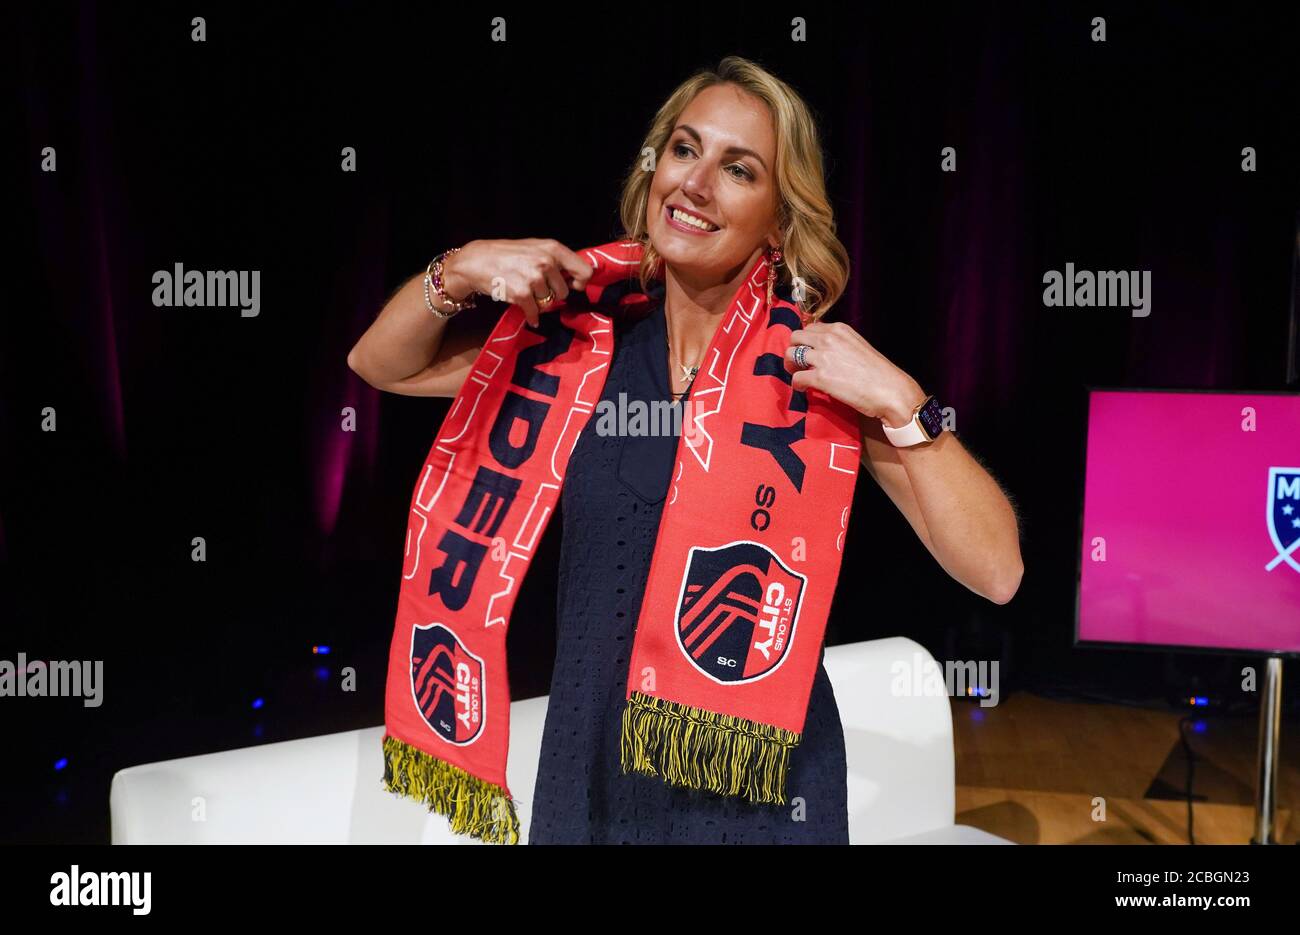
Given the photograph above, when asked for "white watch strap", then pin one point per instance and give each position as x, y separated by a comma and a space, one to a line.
907, 435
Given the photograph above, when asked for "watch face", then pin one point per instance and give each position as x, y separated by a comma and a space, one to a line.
931, 418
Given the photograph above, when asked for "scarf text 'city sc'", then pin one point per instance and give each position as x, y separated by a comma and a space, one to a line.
730, 630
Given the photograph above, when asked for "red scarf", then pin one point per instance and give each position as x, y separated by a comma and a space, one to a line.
748, 551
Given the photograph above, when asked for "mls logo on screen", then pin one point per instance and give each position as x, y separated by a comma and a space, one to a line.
1284, 515
447, 684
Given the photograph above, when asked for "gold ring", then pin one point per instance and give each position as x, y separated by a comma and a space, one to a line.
549, 297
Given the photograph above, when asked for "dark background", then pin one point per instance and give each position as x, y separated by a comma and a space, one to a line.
183, 422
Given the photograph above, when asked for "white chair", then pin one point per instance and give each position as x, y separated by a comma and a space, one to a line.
898, 744
327, 789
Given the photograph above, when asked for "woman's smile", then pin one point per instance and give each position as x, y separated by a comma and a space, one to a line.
687, 222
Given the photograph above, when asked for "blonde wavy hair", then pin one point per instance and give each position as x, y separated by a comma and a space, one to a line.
810, 248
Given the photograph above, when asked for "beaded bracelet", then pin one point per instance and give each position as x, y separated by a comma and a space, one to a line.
433, 279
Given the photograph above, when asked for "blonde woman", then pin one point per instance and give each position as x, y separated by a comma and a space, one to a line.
737, 170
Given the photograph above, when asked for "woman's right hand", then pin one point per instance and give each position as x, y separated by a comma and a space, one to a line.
526, 269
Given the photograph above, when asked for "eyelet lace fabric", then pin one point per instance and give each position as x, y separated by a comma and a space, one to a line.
611, 503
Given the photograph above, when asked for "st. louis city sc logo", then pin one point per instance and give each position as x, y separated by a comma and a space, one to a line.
447, 684
1284, 515
737, 611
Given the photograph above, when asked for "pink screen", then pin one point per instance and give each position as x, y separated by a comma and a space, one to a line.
1193, 497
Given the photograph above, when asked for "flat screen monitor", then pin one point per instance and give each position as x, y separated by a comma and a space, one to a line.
1191, 522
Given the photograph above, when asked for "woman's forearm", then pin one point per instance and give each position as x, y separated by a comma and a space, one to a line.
405, 337
970, 520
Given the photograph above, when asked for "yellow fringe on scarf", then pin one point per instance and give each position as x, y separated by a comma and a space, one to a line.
701, 749
477, 808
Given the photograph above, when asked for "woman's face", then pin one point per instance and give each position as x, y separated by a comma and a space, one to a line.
717, 166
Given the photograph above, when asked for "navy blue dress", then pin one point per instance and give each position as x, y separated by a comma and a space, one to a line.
611, 502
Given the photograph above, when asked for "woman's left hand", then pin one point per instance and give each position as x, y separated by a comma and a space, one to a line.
842, 364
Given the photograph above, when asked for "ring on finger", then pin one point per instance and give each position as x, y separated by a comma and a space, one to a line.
801, 356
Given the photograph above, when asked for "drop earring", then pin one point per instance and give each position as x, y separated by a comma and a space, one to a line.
773, 258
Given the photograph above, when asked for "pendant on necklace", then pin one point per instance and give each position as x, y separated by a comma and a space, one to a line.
688, 373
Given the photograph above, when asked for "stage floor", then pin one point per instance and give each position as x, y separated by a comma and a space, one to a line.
1029, 768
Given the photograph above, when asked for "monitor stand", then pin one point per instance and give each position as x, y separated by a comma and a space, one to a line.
1270, 725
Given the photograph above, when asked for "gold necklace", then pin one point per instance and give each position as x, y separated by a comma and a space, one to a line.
688, 373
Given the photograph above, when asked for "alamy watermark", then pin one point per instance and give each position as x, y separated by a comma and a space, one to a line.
923, 677
1085, 289
53, 679
76, 887
644, 417
211, 288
